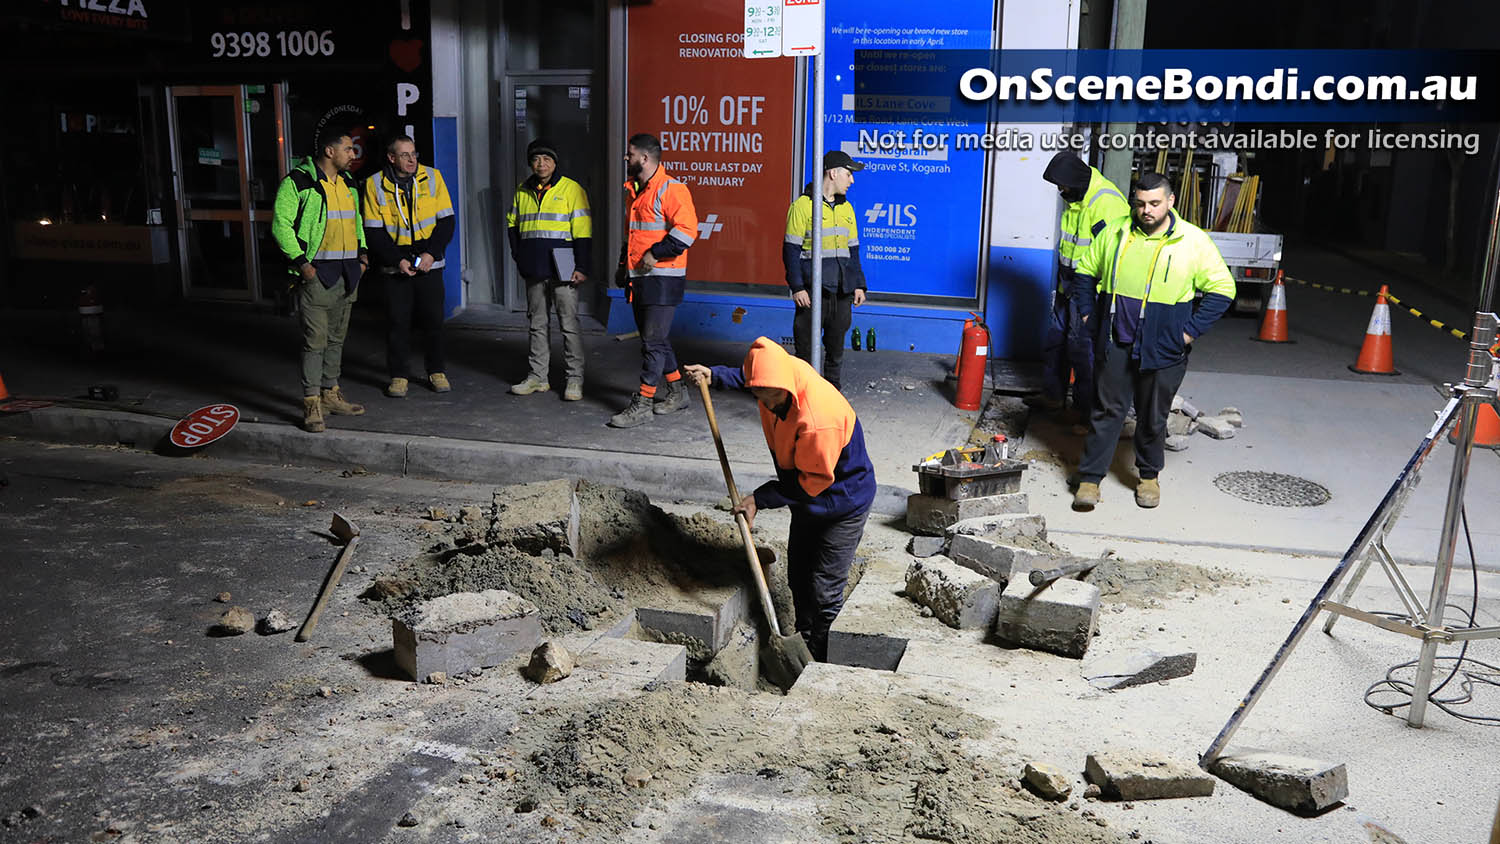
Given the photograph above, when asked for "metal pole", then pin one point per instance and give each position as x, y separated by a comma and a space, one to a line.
817, 217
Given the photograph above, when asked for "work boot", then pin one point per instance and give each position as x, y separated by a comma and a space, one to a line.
312, 415
675, 399
1086, 496
1148, 493
574, 390
397, 388
638, 413
532, 384
334, 402
439, 382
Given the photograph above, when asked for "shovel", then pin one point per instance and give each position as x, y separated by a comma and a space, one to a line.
348, 533
783, 657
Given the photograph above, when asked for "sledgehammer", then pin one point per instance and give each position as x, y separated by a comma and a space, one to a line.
348, 533
1041, 576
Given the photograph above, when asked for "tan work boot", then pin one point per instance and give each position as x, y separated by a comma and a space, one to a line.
397, 388
439, 382
312, 415
1086, 496
574, 390
532, 384
334, 402
1148, 493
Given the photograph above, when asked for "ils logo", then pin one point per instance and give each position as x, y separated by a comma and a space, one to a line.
709, 225
901, 216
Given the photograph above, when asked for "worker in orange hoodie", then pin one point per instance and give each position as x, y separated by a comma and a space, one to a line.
822, 473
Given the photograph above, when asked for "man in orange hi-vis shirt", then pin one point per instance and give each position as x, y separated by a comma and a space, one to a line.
822, 473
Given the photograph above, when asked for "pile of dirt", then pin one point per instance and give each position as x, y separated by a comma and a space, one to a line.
1144, 583
895, 767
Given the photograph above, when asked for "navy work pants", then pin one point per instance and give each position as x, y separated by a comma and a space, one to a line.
1068, 348
819, 552
1119, 381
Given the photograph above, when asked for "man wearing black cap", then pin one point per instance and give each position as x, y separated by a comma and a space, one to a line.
843, 279
1092, 202
550, 237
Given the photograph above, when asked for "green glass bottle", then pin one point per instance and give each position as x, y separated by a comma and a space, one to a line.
870, 341
854, 339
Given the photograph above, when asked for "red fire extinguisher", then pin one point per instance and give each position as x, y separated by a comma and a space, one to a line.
91, 315
973, 354
958, 361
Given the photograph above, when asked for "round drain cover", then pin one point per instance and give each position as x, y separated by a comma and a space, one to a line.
1273, 488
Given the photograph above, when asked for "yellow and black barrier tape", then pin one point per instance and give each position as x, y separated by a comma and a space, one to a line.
1389, 297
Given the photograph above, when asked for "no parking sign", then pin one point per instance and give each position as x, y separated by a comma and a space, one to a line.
204, 425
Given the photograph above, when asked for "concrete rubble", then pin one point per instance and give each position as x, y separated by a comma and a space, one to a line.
275, 622
1217, 427
1059, 617
457, 632
957, 596
1047, 781
234, 621
926, 546
1132, 775
549, 663
1122, 671
1294, 783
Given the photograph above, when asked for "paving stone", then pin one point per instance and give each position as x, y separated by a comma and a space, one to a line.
1131, 775
642, 661
1048, 781
455, 633
1295, 783
704, 625
925, 546
1216, 426
1003, 527
1136, 669
1059, 617
931, 515
999, 561
537, 516
957, 596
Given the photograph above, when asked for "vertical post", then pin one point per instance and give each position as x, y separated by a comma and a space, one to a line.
1129, 33
817, 217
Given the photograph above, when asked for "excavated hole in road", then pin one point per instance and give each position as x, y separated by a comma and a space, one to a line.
598, 557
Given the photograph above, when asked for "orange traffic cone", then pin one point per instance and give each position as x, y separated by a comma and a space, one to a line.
1375, 357
1273, 326
4, 393
1486, 428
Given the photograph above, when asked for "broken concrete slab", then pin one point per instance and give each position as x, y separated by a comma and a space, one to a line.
455, 633
1047, 781
1216, 426
1059, 617
537, 516
549, 663
737, 664
925, 546
1132, 775
1121, 671
931, 515
1002, 527
1177, 442
958, 597
1294, 783
1180, 424
1233, 416
999, 561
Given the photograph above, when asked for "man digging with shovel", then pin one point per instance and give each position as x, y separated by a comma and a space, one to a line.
822, 473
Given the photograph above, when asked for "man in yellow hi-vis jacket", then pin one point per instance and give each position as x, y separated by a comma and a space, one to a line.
843, 278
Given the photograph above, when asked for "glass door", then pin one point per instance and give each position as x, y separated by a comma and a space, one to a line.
559, 108
228, 157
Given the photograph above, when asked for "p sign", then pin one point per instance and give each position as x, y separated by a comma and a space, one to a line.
204, 425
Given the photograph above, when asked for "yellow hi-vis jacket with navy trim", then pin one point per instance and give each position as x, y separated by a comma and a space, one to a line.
543, 218
841, 268
413, 220
1181, 261
1081, 222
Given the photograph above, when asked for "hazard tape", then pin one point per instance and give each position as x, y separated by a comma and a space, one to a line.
1389, 297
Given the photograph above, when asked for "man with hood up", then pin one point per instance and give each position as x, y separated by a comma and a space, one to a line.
1091, 203
843, 278
822, 473
551, 234
409, 223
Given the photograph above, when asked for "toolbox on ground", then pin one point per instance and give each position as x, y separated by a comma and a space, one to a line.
963, 473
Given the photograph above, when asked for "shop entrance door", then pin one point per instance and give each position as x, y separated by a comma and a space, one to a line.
556, 106
228, 157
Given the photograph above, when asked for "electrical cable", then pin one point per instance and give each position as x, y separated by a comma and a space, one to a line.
1489, 676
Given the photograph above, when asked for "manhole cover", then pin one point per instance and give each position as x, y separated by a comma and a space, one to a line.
1273, 488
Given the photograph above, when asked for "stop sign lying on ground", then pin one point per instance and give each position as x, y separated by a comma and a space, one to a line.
204, 425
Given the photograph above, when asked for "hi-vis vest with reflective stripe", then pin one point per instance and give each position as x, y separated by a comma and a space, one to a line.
385, 207
1102, 202
561, 216
839, 229
664, 207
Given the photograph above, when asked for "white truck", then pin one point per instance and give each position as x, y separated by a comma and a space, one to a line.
1253, 259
